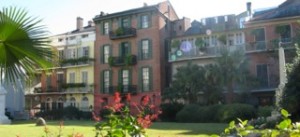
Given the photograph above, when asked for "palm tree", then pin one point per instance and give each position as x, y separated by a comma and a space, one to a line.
24, 46
233, 70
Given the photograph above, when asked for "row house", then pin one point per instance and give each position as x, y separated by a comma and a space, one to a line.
71, 80
130, 53
265, 32
258, 34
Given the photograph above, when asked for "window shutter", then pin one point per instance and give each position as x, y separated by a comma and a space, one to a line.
120, 49
120, 83
101, 30
79, 52
150, 20
130, 76
129, 22
110, 79
150, 49
139, 21
150, 78
102, 54
110, 26
120, 23
140, 79
140, 50
129, 48
101, 82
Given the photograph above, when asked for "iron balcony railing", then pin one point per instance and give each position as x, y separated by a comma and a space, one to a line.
122, 89
122, 61
121, 33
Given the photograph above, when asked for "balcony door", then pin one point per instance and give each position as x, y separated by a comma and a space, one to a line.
124, 49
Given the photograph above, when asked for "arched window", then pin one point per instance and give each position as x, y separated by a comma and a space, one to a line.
60, 103
72, 102
85, 104
48, 103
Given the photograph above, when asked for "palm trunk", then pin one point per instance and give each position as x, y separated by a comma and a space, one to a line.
230, 94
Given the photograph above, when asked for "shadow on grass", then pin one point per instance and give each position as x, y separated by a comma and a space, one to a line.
190, 128
87, 123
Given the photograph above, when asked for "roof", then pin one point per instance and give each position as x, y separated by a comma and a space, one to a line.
85, 29
289, 8
125, 13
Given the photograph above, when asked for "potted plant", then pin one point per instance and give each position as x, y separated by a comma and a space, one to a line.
200, 44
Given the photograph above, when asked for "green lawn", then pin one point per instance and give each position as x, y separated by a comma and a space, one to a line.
158, 129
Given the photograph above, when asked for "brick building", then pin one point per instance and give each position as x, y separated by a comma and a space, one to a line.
130, 52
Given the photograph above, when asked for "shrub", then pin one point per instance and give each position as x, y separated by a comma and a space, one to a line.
71, 112
264, 111
230, 112
169, 111
188, 114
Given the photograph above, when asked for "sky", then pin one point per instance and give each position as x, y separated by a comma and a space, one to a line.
59, 16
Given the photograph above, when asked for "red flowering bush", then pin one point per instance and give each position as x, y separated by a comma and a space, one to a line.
121, 123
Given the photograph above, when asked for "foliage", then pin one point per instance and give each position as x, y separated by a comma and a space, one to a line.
290, 96
169, 111
175, 44
200, 44
192, 81
234, 70
222, 39
264, 111
23, 45
119, 31
73, 85
80, 60
282, 29
283, 129
120, 122
214, 113
69, 112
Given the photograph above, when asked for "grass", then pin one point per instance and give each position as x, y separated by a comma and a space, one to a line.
158, 129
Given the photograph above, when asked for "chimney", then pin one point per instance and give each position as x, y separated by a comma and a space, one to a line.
249, 10
79, 23
145, 4
90, 23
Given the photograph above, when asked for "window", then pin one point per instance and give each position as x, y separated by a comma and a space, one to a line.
85, 51
73, 102
285, 32
230, 38
225, 18
125, 23
85, 104
60, 103
214, 40
48, 104
72, 77
60, 78
106, 53
106, 81
85, 36
145, 49
145, 21
145, 79
61, 54
239, 38
48, 82
84, 76
124, 49
125, 80
72, 38
206, 41
72, 53
106, 28
259, 34
262, 75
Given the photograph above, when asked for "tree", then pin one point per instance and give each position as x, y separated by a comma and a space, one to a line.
24, 45
291, 95
233, 70
192, 81
187, 84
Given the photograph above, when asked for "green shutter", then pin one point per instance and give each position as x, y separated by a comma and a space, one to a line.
120, 49
120, 22
101, 30
110, 50
129, 48
129, 21
150, 20
139, 22
130, 76
150, 49
119, 80
140, 50
140, 82
110, 78
101, 82
110, 26
150, 78
102, 54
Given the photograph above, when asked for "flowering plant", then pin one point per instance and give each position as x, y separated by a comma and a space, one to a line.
122, 123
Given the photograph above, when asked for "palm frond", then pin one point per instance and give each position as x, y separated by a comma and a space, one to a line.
24, 45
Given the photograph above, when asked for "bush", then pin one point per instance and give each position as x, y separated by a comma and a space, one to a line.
215, 113
230, 112
188, 114
169, 111
264, 111
71, 112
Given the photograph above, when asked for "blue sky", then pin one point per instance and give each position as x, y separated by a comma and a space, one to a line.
60, 15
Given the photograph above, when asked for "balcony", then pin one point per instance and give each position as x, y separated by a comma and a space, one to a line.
121, 33
128, 60
207, 52
132, 89
287, 43
77, 87
77, 61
